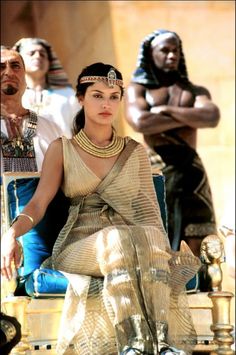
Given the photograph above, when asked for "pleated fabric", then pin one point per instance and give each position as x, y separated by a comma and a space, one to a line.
116, 254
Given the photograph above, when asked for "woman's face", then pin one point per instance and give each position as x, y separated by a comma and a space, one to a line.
101, 103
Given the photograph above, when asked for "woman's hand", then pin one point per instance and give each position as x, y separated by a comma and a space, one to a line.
10, 252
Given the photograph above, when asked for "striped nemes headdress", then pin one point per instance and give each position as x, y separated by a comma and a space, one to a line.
56, 76
145, 72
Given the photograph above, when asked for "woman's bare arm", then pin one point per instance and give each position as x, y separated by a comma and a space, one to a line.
49, 183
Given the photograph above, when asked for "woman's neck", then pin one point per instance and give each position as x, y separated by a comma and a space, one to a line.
101, 136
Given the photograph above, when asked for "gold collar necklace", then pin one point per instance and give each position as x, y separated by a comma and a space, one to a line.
110, 150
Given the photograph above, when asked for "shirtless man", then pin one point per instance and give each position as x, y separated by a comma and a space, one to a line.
163, 105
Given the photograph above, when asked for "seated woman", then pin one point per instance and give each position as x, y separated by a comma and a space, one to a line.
113, 245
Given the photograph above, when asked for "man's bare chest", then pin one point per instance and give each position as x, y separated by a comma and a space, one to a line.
172, 95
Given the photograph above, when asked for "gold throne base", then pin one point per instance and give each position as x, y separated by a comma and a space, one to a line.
40, 319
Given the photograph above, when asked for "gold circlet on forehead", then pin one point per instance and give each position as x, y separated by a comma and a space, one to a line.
110, 79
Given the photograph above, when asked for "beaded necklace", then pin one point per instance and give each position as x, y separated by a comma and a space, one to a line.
38, 100
110, 150
18, 153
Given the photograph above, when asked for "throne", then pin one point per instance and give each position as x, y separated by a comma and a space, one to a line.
36, 295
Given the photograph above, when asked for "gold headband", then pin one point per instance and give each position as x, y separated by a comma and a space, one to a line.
110, 79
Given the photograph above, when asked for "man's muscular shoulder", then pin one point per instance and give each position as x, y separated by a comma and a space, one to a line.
200, 91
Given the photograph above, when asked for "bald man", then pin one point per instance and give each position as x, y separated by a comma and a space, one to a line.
25, 136
163, 105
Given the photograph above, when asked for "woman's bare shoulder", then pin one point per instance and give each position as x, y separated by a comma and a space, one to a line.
55, 148
58, 143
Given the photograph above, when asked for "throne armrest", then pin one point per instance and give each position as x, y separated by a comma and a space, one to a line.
37, 244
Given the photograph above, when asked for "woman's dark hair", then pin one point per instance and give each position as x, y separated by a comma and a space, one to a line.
96, 69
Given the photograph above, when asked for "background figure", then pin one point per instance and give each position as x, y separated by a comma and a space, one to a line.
24, 135
48, 92
168, 109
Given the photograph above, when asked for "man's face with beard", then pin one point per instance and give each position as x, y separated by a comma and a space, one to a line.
12, 73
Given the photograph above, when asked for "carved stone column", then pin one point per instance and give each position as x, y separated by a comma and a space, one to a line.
221, 326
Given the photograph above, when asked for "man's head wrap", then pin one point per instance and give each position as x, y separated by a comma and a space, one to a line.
146, 71
56, 75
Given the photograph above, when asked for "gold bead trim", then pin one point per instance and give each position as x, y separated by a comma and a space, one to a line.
111, 79
110, 150
109, 82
